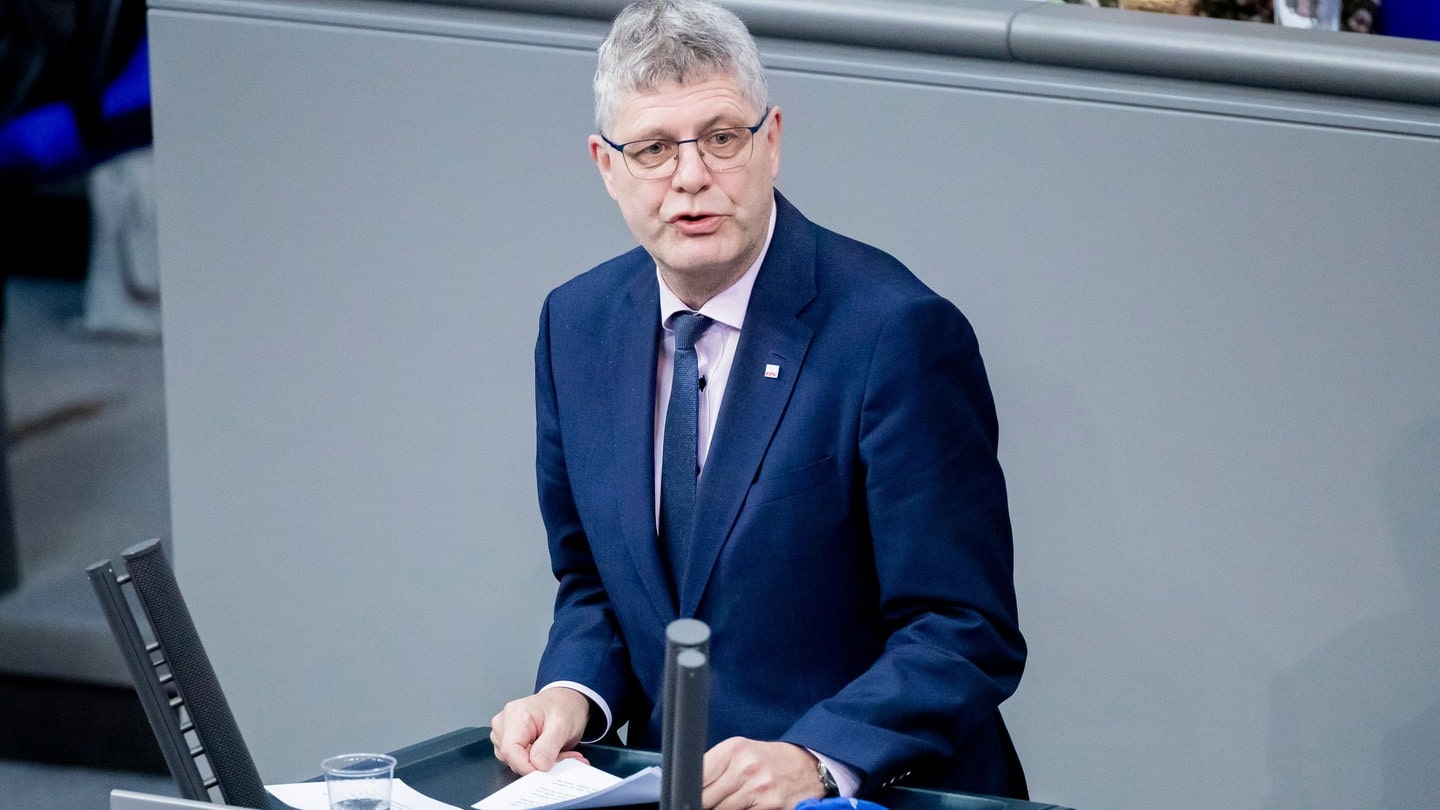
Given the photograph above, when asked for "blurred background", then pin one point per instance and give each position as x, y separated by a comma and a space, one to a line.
83, 392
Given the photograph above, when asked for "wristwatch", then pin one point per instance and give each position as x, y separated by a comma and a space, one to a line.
827, 781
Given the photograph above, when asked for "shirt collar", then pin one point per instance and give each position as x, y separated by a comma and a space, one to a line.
728, 307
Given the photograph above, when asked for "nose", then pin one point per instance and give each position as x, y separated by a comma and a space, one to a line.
691, 173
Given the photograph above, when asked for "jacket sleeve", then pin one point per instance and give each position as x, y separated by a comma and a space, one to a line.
585, 644
939, 523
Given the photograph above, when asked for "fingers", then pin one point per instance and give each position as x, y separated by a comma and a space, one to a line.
512, 732
723, 775
742, 774
574, 755
554, 737
530, 733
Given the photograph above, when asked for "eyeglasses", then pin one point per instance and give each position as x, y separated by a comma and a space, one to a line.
722, 150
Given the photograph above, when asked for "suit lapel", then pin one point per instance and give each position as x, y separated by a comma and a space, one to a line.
631, 363
754, 402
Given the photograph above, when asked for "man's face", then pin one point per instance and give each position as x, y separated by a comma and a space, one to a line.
703, 228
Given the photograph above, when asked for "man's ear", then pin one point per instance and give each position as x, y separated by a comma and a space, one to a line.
604, 158
772, 136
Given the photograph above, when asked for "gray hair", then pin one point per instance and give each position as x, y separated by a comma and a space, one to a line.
655, 42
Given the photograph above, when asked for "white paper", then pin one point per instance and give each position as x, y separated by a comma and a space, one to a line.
574, 785
312, 796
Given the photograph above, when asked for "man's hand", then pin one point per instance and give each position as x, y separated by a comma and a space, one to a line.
533, 733
742, 774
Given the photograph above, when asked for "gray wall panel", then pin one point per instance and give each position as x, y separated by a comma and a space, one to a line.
350, 306
1208, 314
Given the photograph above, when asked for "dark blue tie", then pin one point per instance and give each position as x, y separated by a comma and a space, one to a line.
680, 466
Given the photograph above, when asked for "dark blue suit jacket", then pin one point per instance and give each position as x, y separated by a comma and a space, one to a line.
852, 553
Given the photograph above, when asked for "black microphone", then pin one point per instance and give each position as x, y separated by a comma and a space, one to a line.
684, 714
702, 383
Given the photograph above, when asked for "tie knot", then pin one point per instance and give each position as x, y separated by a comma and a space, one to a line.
688, 326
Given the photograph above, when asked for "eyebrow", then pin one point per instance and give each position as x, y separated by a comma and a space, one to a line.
710, 125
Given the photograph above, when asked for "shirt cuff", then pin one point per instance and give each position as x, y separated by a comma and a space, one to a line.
845, 777
594, 698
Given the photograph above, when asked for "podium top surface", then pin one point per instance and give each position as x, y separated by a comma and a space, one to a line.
460, 768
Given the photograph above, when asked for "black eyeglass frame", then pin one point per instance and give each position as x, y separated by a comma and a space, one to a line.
620, 147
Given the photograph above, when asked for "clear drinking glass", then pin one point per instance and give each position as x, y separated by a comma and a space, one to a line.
359, 781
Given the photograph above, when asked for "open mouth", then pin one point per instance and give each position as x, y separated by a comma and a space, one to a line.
696, 224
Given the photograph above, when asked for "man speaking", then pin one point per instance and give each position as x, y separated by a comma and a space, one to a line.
764, 425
